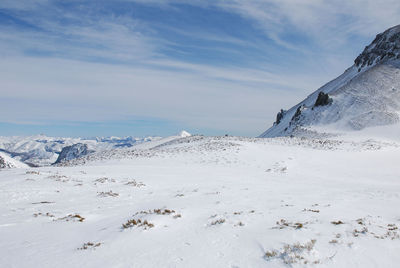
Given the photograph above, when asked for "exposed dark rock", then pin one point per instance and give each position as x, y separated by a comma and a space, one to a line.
3, 163
297, 115
72, 152
279, 116
385, 46
322, 100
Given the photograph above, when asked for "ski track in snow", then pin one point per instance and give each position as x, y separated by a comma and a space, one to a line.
208, 202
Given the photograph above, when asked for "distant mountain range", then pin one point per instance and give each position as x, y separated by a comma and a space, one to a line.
365, 95
41, 150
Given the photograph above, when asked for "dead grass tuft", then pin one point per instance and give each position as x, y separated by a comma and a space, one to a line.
134, 183
285, 224
103, 180
337, 222
295, 253
216, 222
32, 172
312, 210
137, 223
106, 194
72, 217
163, 212
44, 215
90, 245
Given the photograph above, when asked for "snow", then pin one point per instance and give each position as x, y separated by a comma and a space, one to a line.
72, 152
365, 95
184, 134
213, 201
42, 150
10, 162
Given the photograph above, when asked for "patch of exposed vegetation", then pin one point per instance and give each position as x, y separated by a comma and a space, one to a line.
72, 217
285, 224
90, 245
217, 222
137, 223
134, 183
33, 172
103, 180
43, 214
107, 194
163, 211
295, 253
312, 210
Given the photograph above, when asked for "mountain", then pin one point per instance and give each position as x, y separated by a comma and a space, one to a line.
72, 152
41, 150
7, 161
365, 95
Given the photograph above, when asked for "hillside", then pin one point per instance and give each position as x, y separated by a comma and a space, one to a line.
365, 95
7, 161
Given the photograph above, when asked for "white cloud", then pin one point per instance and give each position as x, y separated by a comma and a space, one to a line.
200, 97
70, 83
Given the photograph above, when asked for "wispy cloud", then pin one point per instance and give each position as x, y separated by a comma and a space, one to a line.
223, 66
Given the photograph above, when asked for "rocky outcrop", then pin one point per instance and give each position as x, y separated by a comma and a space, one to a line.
385, 46
322, 100
297, 115
279, 116
72, 152
3, 163
6, 161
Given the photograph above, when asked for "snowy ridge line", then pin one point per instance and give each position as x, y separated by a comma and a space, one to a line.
191, 144
202, 144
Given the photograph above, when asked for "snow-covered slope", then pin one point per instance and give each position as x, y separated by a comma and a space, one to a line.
209, 202
7, 161
161, 141
365, 95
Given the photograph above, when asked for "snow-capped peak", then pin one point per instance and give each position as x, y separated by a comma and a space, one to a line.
385, 46
184, 134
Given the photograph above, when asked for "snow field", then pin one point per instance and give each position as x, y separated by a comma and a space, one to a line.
208, 202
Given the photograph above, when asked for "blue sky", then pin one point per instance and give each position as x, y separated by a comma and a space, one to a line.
155, 67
